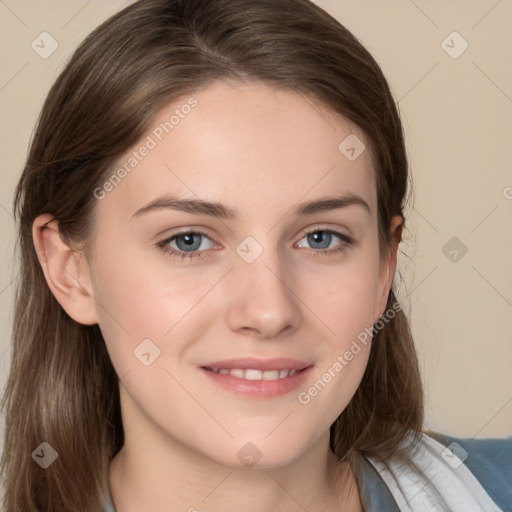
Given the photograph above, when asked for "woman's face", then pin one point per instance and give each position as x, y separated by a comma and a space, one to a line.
207, 258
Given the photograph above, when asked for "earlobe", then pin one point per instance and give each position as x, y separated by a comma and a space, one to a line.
65, 270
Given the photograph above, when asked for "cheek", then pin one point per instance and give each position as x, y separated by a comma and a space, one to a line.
343, 296
343, 300
346, 308
333, 386
139, 301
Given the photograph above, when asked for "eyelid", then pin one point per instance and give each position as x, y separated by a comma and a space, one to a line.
328, 229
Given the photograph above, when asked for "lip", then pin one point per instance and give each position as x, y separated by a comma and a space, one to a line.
258, 389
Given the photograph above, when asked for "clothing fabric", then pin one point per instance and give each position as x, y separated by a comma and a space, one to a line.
447, 474
443, 473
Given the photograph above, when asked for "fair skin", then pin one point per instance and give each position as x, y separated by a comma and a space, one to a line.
260, 152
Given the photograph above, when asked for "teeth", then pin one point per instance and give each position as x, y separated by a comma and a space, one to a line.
253, 374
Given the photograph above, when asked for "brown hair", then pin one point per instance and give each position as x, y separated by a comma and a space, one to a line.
62, 387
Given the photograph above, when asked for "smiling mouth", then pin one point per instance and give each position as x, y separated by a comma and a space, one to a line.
254, 374
258, 379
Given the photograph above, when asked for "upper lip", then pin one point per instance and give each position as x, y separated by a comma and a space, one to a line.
245, 363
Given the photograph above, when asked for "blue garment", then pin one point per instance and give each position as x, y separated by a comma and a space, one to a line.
489, 460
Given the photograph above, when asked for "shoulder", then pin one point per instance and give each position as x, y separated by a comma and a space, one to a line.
488, 459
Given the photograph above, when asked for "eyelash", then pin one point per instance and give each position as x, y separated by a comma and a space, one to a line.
183, 255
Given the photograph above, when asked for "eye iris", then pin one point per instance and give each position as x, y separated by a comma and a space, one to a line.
191, 240
320, 235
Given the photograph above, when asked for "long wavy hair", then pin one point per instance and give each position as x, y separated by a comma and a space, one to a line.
62, 387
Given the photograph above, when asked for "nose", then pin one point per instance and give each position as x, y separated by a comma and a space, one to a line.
264, 303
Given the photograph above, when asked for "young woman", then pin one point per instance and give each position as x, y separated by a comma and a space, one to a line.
209, 219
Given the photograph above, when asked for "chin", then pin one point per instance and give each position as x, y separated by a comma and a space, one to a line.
260, 453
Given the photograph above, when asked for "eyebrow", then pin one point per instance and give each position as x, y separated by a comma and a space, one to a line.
220, 211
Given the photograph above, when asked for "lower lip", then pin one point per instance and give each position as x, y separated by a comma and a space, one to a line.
262, 389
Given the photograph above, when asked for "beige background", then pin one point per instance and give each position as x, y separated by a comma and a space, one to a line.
457, 114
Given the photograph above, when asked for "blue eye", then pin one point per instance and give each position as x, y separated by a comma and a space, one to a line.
324, 237
186, 242
189, 243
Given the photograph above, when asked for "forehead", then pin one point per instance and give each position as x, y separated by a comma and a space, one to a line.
250, 146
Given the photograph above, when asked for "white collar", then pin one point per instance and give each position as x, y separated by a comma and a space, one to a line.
434, 478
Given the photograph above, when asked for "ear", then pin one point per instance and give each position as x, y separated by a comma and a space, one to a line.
388, 265
65, 269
